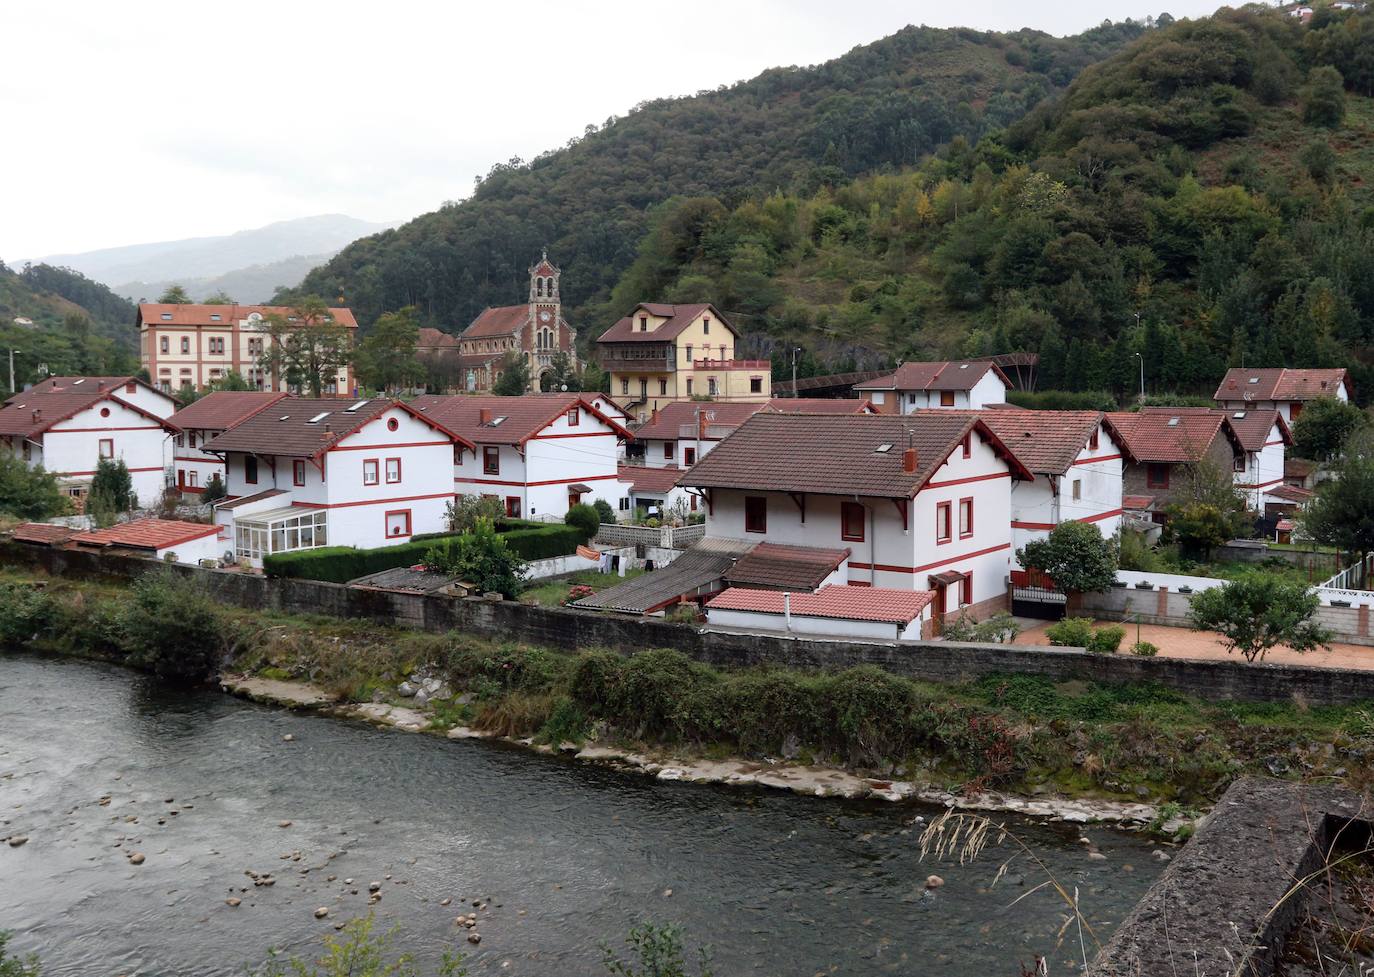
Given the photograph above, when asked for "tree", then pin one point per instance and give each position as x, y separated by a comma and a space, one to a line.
515, 377
1258, 612
29, 493
307, 348
214, 490
112, 491
218, 297
1320, 160
584, 518
174, 295
480, 557
561, 375
1323, 428
173, 627
386, 359
1075, 555
1342, 514
1198, 528
1324, 98
464, 512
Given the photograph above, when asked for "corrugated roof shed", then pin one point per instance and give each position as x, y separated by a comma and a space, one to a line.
838, 601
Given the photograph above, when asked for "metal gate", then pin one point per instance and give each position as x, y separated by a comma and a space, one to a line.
1033, 594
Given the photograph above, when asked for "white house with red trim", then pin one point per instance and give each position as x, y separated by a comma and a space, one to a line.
1077, 462
67, 424
922, 502
538, 454
960, 384
1264, 439
304, 473
209, 416
1282, 389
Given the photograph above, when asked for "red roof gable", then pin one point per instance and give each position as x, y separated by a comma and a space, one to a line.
1175, 435
147, 534
307, 427
31, 412
679, 318
937, 375
503, 320
165, 314
222, 409
520, 418
839, 601
1281, 384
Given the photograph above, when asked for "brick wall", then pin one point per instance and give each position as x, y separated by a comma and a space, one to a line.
1134, 481
574, 630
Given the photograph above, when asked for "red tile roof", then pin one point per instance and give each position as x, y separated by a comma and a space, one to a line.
429, 338
1253, 427
775, 566
288, 428
1171, 434
1298, 467
42, 532
1045, 441
503, 320
830, 454
147, 534
31, 412
668, 421
679, 318
1137, 503
1288, 493
820, 405
246, 499
935, 375
655, 481
222, 409
1281, 384
151, 314
839, 601
520, 418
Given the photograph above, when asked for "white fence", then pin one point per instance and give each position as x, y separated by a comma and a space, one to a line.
1326, 593
1352, 576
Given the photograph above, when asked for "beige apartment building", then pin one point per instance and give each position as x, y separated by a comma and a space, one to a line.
195, 345
661, 353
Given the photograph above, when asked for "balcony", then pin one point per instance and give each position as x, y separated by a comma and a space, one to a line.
637, 358
732, 365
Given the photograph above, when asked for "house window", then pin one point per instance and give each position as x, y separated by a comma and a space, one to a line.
393, 471
192, 479
185, 344
694, 502
370, 471
756, 385
852, 521
946, 398
911, 400
942, 531
398, 524
965, 518
689, 386
491, 460
513, 506
662, 387
966, 589
668, 449
689, 354
107, 447
755, 514
625, 504
711, 386
625, 386
297, 472
967, 445
689, 458
392, 424
250, 470
1238, 463
643, 323
166, 345
1093, 440
104, 412
706, 325
1157, 475
574, 416
1077, 489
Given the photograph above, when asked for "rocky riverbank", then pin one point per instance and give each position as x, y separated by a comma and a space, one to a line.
809, 780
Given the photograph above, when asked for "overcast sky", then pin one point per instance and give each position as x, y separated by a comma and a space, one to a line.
130, 122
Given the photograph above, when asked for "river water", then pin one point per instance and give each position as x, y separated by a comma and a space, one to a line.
570, 855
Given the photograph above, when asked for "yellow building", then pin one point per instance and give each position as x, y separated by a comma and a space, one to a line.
663, 353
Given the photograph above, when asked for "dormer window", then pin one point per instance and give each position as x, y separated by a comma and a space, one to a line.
166, 317
643, 323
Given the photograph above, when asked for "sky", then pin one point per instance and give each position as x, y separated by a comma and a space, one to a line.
144, 121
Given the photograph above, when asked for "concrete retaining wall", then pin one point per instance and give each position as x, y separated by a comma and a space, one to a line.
569, 629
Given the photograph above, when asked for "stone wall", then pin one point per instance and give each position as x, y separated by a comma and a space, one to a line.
569, 629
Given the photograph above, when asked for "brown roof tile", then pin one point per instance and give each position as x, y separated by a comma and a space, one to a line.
147, 534
1281, 383
286, 428
151, 313
679, 318
520, 418
31, 412
1174, 435
829, 454
934, 375
1045, 441
43, 533
222, 409
1252, 427
775, 566
643, 478
430, 338
503, 320
840, 601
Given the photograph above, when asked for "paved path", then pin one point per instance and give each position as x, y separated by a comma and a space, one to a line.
1183, 643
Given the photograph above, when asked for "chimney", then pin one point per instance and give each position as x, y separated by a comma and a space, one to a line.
484, 416
701, 425
909, 461
653, 418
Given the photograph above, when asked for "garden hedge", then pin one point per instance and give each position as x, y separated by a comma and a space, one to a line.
340, 564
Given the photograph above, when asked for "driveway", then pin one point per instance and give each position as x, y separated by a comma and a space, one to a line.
1184, 643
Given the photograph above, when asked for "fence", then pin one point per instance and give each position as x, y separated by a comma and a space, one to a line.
1354, 577
667, 537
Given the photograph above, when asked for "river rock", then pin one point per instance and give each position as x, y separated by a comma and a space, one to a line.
136, 858
283, 824
374, 886
1096, 856
474, 937
17, 840
406, 690
421, 697
322, 912
287, 738
233, 901
445, 901
934, 881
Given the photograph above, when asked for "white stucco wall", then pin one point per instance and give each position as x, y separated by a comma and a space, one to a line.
1039, 506
819, 626
209, 547
1263, 470
71, 448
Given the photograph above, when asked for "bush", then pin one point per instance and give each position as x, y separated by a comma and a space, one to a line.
25, 610
29, 493
584, 519
1145, 649
548, 539
171, 626
463, 512
1106, 641
1072, 632
112, 488
604, 512
214, 490
483, 557
1062, 399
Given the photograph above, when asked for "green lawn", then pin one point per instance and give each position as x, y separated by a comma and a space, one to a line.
551, 593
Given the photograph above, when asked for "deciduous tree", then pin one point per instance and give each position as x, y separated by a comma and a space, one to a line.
307, 348
1258, 612
1323, 428
515, 377
386, 358
1075, 555
174, 295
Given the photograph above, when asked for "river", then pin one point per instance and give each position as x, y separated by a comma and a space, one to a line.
569, 854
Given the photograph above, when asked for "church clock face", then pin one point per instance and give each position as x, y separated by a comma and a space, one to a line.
545, 316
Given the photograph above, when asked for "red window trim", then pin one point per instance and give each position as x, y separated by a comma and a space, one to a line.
100, 449
846, 510
386, 523
669, 448
298, 472
967, 445
512, 506
491, 459
761, 511
247, 459
376, 472
1094, 440
966, 589
1150, 481
969, 533
689, 456
574, 417
943, 526
386, 471
131, 388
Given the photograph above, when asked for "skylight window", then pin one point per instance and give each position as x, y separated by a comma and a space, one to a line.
166, 317
318, 417
284, 417
1253, 380
497, 420
214, 317
356, 406
963, 366
77, 383
883, 448
1173, 422
1239, 415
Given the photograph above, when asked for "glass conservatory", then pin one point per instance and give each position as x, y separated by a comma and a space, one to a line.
279, 531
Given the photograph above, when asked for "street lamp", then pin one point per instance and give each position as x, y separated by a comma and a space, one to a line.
795, 351
1142, 376
13, 388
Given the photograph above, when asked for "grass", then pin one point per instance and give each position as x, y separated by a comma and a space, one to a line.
552, 593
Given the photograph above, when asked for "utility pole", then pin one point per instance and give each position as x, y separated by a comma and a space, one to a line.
1142, 377
795, 351
13, 389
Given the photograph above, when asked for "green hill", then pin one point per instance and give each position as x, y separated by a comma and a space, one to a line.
1202, 198
881, 106
77, 325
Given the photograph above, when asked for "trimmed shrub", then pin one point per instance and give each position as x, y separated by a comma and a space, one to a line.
1106, 640
604, 512
548, 539
1072, 632
583, 518
1145, 649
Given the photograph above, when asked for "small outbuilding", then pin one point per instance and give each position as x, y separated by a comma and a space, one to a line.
836, 610
182, 542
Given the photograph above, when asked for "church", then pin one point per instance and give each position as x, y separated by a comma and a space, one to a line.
537, 331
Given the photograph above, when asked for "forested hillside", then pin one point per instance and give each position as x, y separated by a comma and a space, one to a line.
1203, 198
882, 106
79, 326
